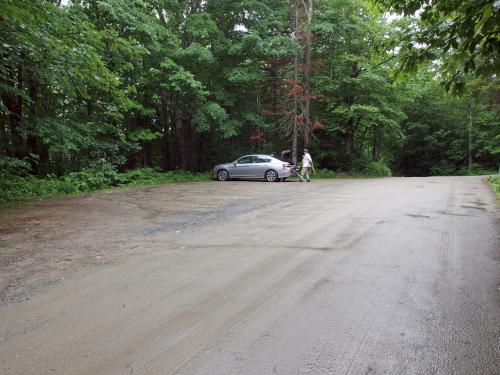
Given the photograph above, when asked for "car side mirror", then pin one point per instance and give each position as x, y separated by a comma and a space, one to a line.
235, 164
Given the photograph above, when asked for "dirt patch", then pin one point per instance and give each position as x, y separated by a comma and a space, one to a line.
45, 242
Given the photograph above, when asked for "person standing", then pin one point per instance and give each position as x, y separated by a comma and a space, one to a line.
306, 165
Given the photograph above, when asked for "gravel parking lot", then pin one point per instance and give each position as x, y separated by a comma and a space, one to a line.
365, 276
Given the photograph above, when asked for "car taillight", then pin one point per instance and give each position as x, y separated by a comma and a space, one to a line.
286, 165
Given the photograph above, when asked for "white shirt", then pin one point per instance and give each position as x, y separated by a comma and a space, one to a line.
306, 160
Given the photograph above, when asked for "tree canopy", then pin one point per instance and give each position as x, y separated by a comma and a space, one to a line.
185, 84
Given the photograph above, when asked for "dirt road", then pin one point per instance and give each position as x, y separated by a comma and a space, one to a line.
379, 276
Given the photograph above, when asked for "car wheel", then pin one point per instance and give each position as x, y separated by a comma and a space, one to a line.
222, 175
271, 175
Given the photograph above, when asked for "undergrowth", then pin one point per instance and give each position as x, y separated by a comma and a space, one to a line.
495, 185
27, 188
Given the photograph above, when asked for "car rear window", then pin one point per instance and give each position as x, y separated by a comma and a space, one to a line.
262, 160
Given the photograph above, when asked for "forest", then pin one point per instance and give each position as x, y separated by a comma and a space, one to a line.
96, 89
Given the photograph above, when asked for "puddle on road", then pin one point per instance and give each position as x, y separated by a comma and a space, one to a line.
449, 213
419, 216
475, 207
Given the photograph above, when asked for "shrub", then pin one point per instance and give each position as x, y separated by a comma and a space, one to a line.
93, 179
17, 188
477, 170
495, 183
377, 169
13, 167
442, 169
325, 173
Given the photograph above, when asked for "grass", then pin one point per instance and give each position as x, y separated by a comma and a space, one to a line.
3, 247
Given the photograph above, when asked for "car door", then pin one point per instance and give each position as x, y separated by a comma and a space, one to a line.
261, 165
242, 167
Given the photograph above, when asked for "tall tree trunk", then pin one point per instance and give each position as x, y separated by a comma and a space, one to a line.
14, 105
193, 145
43, 161
167, 149
349, 135
167, 138
376, 145
469, 148
43, 149
3, 140
295, 94
11, 104
203, 151
179, 139
351, 125
32, 141
307, 74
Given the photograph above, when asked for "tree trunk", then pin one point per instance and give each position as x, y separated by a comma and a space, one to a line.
32, 141
4, 140
179, 140
203, 152
193, 146
12, 147
167, 133
307, 76
349, 141
469, 148
14, 105
376, 145
349, 135
43, 162
295, 96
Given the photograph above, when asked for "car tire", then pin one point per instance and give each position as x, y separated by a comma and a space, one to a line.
222, 175
271, 175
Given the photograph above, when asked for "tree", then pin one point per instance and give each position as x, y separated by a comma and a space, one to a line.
462, 35
359, 111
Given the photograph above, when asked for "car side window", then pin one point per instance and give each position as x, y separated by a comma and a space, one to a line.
262, 160
245, 160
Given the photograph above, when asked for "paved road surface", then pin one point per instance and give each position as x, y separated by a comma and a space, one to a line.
379, 276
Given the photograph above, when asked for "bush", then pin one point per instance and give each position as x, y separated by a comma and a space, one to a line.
149, 176
495, 183
92, 179
377, 169
325, 173
13, 167
442, 169
477, 170
17, 188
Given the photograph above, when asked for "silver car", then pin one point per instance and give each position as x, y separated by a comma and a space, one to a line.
253, 167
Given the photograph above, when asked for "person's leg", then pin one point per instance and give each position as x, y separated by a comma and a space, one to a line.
303, 172
307, 173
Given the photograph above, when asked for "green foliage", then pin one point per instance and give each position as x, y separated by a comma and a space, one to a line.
463, 34
151, 176
209, 115
377, 169
13, 167
92, 87
18, 189
325, 173
495, 183
91, 179
436, 133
